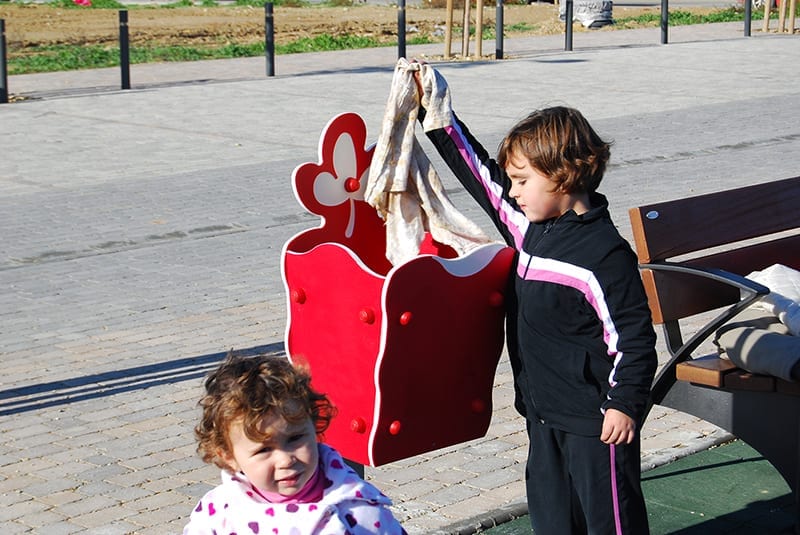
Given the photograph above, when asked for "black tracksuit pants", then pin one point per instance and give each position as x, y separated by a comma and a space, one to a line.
578, 485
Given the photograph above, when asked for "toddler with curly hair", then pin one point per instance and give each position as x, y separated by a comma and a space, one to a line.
260, 425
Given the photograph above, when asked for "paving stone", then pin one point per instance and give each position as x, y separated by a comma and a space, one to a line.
450, 495
14, 527
490, 480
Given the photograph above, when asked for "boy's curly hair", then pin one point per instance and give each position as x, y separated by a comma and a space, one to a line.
561, 144
249, 388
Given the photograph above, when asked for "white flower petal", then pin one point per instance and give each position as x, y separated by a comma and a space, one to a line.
328, 191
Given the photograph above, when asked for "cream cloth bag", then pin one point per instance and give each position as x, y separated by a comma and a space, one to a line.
403, 186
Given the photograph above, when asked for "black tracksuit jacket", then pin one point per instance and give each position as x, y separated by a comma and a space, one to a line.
579, 330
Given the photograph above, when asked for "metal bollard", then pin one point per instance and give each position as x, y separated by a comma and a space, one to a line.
269, 32
568, 28
124, 50
401, 29
664, 21
498, 31
3, 64
748, 13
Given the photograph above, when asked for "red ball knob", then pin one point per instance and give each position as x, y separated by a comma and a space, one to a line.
405, 318
298, 295
478, 405
358, 425
394, 427
351, 185
367, 315
496, 299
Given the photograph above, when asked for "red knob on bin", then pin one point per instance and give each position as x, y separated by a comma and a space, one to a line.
358, 425
394, 427
367, 315
405, 318
298, 295
351, 185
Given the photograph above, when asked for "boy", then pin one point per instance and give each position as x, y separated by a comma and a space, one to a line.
580, 335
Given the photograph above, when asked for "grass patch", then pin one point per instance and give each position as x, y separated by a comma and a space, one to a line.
63, 58
322, 43
518, 27
685, 18
66, 57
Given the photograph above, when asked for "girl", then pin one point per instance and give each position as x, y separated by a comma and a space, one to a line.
260, 423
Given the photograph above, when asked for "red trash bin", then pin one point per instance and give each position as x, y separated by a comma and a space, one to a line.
406, 353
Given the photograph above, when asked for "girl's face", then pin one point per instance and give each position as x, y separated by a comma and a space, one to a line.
536, 194
282, 464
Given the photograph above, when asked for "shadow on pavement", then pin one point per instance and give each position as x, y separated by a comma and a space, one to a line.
66, 391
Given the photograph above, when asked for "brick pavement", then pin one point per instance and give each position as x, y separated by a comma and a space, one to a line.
142, 233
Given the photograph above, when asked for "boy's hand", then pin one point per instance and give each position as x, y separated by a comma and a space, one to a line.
418, 78
618, 428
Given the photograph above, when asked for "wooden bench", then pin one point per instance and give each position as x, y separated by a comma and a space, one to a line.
694, 254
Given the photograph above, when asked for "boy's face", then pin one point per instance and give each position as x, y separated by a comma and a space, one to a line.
533, 191
284, 463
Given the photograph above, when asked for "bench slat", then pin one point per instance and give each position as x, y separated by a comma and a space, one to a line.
709, 372
674, 296
702, 222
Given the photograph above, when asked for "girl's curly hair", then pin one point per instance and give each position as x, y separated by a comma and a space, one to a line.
561, 144
247, 389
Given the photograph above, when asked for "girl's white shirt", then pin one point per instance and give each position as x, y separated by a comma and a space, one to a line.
348, 505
